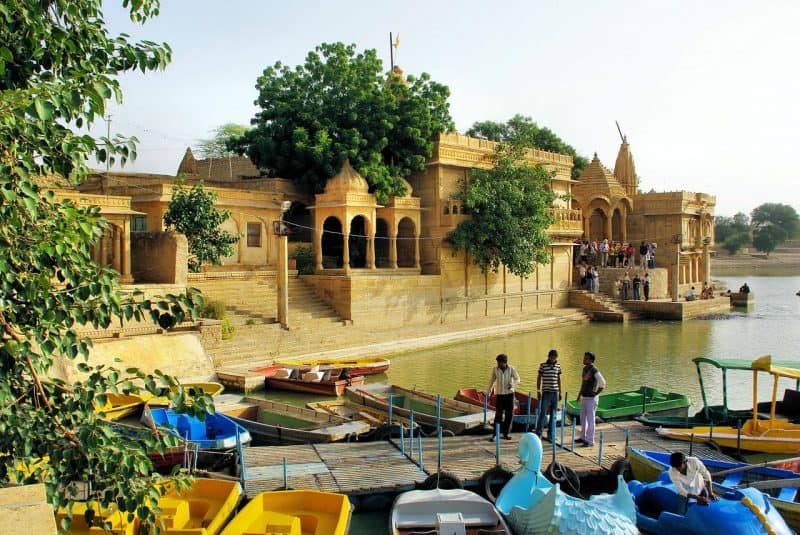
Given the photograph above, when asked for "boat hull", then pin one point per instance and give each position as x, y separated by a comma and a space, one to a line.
296, 512
217, 432
417, 510
625, 405
322, 388
769, 436
354, 367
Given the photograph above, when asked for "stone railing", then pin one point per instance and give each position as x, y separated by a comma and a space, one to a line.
566, 219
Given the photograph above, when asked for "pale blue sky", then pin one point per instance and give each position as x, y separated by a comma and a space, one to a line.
705, 91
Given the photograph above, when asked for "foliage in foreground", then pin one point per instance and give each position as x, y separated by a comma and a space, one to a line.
340, 105
509, 206
191, 212
524, 130
51, 288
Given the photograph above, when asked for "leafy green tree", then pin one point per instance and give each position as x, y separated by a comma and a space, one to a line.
767, 237
191, 212
509, 206
58, 64
217, 146
779, 215
340, 105
734, 242
527, 132
732, 232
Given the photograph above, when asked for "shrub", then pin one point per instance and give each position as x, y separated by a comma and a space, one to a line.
228, 329
304, 256
250, 321
214, 310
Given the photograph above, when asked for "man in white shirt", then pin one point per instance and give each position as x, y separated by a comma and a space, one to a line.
592, 383
504, 379
690, 295
691, 479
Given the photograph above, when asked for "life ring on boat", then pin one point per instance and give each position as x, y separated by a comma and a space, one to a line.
621, 467
492, 482
566, 477
442, 480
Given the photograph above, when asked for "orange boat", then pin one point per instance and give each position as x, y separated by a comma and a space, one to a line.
474, 396
324, 383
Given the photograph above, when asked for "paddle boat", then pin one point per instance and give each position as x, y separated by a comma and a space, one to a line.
323, 383
445, 511
454, 416
781, 486
719, 414
770, 435
272, 422
522, 404
118, 406
216, 432
293, 512
201, 509
190, 389
531, 504
742, 511
625, 405
355, 367
118, 523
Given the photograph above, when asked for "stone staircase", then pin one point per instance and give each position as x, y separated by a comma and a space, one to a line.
600, 307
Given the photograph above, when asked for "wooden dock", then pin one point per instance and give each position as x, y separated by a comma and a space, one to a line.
361, 468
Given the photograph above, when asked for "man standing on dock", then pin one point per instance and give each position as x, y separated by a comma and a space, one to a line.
592, 383
548, 390
504, 379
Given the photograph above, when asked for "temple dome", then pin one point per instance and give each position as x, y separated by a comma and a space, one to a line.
348, 180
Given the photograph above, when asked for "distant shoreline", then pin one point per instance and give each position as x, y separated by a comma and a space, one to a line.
776, 264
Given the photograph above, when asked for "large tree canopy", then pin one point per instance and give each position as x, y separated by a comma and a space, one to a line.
222, 136
509, 206
341, 105
57, 69
780, 215
732, 232
528, 133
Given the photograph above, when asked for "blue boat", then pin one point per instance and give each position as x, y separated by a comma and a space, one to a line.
217, 431
781, 486
533, 505
744, 511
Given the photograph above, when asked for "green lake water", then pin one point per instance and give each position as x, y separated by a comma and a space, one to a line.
653, 353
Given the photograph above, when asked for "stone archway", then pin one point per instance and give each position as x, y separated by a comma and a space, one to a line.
357, 242
616, 226
382, 257
332, 243
300, 223
597, 225
406, 243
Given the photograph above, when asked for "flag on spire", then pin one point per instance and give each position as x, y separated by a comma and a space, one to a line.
397, 41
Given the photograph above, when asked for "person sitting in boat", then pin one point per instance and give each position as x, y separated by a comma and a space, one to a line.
691, 479
744, 289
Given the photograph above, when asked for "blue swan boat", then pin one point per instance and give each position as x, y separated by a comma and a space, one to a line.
532, 504
216, 432
744, 511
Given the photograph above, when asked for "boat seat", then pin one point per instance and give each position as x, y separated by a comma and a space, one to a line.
421, 520
787, 494
732, 479
451, 523
283, 373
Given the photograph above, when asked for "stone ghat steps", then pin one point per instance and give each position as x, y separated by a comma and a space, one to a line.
600, 307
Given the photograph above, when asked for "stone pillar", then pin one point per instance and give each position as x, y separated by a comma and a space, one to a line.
706, 264
371, 249
317, 250
607, 225
416, 251
585, 228
691, 274
283, 281
126, 252
675, 270
102, 260
346, 252
623, 223
116, 249
393, 250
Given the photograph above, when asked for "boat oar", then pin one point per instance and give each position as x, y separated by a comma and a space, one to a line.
771, 484
757, 465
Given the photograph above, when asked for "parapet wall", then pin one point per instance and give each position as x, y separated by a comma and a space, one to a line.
159, 257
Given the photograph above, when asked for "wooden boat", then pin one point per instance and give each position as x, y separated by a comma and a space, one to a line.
455, 416
217, 431
320, 383
445, 511
293, 512
771, 435
532, 505
345, 408
355, 367
739, 299
647, 466
119, 406
524, 406
200, 510
721, 414
625, 405
740, 511
271, 422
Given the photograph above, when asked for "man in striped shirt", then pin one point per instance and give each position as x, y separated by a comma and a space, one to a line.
548, 390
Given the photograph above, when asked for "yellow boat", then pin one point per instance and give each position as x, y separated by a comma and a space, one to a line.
119, 406
769, 435
200, 510
293, 512
355, 367
212, 389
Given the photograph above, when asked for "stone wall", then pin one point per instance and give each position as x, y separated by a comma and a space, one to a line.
159, 257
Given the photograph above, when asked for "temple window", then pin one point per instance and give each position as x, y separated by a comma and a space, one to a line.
254, 234
139, 223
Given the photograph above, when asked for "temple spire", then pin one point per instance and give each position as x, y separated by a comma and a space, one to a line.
625, 170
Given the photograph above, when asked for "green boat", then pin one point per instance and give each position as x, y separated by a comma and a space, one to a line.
722, 414
626, 405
